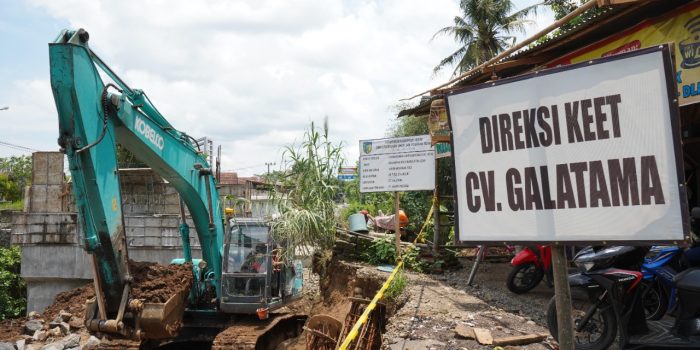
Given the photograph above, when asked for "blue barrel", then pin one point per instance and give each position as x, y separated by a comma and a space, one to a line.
358, 223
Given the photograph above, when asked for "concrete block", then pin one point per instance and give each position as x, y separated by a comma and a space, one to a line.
135, 221
36, 228
40, 168
19, 218
139, 208
153, 222
136, 241
150, 241
171, 209
55, 261
171, 221
36, 219
135, 232
171, 241
19, 229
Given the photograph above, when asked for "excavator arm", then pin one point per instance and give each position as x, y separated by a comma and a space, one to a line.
94, 117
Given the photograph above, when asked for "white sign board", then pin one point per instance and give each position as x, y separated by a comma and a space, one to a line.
584, 153
397, 164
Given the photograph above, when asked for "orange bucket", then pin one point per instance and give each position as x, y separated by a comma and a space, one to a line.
262, 313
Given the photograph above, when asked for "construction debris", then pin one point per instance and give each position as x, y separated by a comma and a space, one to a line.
520, 339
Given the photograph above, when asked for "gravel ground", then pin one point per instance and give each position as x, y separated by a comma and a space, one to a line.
438, 303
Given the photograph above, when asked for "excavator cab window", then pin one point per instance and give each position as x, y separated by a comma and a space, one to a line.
248, 249
247, 259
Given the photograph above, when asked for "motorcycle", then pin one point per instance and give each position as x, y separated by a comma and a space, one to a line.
607, 297
530, 266
661, 265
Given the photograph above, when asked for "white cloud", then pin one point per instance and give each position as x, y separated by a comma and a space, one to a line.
253, 74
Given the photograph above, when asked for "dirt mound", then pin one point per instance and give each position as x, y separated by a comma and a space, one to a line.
72, 301
155, 283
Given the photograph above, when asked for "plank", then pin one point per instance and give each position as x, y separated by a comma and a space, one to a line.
520, 339
483, 336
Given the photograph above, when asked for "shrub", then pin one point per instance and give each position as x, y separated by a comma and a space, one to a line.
12, 288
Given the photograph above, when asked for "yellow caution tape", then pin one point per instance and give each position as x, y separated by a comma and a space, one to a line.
380, 294
363, 318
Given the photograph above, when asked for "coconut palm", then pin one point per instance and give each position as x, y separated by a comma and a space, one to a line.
484, 29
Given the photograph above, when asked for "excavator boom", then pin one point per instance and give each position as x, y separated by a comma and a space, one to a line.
94, 117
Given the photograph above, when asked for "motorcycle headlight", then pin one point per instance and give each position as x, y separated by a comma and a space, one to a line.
588, 265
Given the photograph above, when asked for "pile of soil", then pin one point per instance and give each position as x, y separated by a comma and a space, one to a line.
12, 329
155, 283
72, 301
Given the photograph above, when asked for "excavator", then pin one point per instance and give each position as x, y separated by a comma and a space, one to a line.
231, 304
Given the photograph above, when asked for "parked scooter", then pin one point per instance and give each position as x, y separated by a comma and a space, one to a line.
661, 265
530, 266
608, 292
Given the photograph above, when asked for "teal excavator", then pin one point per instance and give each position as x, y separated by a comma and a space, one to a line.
95, 116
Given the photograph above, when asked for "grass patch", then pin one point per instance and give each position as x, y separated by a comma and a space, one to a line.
18, 205
397, 286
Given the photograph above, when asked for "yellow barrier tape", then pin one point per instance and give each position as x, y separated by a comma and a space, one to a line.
380, 294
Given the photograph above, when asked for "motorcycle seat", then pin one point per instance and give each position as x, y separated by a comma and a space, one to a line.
688, 280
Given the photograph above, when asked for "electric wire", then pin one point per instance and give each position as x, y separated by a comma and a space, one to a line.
17, 147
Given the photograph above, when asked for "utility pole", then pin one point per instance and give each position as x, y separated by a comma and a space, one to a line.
268, 166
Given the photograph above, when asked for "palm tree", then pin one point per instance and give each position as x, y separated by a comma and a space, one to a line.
483, 30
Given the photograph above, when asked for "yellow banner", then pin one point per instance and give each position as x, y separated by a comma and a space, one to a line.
681, 27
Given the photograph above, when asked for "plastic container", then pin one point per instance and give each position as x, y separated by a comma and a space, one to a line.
358, 223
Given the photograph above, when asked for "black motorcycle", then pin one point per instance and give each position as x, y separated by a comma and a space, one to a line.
607, 297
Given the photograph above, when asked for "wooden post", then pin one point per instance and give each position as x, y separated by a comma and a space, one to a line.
562, 298
436, 210
477, 260
397, 226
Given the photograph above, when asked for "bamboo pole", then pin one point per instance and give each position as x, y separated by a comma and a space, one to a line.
397, 226
588, 5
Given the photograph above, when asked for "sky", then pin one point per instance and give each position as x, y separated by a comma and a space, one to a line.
250, 75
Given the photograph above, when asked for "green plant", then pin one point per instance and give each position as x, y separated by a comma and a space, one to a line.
305, 193
397, 286
12, 287
16, 205
15, 174
412, 260
382, 251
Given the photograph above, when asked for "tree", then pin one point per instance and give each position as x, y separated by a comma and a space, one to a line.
15, 174
483, 30
562, 8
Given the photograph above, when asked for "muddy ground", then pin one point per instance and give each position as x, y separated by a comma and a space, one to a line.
423, 317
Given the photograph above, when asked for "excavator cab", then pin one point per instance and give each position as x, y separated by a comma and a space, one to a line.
255, 275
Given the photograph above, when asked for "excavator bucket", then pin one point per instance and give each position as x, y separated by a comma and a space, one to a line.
144, 321
162, 320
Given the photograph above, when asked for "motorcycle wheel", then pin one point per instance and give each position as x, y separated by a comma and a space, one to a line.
654, 301
599, 332
523, 278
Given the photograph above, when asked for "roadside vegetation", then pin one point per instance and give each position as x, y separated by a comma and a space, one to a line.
305, 193
13, 294
15, 175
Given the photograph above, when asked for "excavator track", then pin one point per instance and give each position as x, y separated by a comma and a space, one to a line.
255, 334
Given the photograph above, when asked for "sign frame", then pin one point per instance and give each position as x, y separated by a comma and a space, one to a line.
416, 150
674, 115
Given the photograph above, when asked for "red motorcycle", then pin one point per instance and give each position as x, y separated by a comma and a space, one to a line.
530, 266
